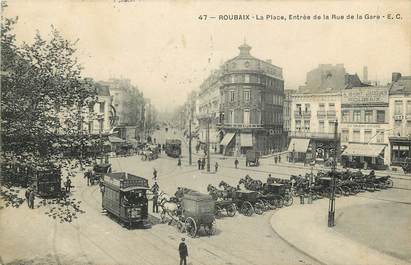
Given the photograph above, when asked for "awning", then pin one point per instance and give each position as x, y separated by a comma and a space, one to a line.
299, 145
114, 139
227, 138
246, 139
367, 150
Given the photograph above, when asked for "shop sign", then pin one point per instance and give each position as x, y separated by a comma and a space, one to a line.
365, 95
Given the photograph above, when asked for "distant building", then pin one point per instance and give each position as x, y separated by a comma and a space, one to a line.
315, 109
400, 118
251, 104
287, 110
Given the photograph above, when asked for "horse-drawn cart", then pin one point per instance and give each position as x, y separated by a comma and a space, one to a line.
224, 201
191, 210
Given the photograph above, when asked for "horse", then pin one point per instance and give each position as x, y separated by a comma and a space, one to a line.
169, 205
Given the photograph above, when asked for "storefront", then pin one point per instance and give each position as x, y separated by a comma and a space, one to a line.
298, 149
365, 156
400, 148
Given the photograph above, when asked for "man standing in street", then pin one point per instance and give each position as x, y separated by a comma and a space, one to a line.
279, 159
27, 195
216, 167
68, 184
236, 163
155, 175
275, 159
155, 202
182, 249
179, 162
199, 163
203, 162
31, 199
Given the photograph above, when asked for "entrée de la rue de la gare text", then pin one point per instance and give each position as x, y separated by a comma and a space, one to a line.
301, 17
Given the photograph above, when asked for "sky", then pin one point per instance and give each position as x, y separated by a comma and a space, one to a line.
167, 51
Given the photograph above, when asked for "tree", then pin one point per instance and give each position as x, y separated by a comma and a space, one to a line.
43, 98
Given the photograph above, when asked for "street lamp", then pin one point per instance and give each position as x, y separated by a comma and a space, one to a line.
331, 204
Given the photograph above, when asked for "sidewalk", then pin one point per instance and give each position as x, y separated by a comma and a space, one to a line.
305, 228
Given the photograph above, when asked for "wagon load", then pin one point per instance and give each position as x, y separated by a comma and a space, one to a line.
191, 211
125, 198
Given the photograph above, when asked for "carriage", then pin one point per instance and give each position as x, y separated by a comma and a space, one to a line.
191, 210
277, 194
224, 202
98, 172
252, 158
150, 153
125, 199
406, 165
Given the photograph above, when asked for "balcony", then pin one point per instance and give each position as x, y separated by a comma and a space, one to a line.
398, 117
331, 114
313, 135
321, 114
302, 114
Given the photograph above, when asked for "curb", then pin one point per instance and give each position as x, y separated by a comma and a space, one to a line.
294, 246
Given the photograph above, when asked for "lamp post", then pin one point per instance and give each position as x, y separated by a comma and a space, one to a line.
208, 143
331, 204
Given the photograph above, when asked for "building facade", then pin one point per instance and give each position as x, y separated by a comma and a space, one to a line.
251, 104
316, 113
209, 103
400, 119
364, 127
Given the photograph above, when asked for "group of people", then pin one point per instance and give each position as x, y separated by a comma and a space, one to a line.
201, 162
30, 196
277, 159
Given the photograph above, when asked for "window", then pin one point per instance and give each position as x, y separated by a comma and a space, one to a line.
91, 108
232, 95
321, 106
381, 116
408, 128
231, 116
345, 116
307, 107
307, 125
367, 136
232, 79
321, 126
357, 116
356, 135
90, 127
397, 128
331, 106
247, 95
408, 107
247, 78
298, 107
101, 122
368, 116
380, 136
398, 107
298, 125
331, 125
246, 117
102, 107
344, 135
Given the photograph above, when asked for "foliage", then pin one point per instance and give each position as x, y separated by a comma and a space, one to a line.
43, 98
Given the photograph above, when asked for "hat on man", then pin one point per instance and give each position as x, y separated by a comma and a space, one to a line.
183, 239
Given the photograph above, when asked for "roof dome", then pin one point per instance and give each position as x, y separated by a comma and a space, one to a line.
245, 49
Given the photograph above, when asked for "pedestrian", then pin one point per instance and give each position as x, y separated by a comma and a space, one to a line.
182, 249
236, 163
155, 175
179, 162
199, 163
215, 149
203, 162
88, 175
27, 195
279, 159
155, 203
216, 166
31, 199
275, 159
155, 188
68, 184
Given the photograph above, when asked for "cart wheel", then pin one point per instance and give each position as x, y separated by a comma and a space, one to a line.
163, 217
390, 183
231, 209
263, 204
259, 208
288, 200
247, 209
218, 212
180, 227
279, 202
210, 229
191, 227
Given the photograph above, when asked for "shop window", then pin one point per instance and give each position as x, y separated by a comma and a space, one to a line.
381, 116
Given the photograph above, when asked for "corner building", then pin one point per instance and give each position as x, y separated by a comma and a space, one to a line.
251, 110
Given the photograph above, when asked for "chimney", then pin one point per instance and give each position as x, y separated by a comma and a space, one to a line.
365, 74
395, 77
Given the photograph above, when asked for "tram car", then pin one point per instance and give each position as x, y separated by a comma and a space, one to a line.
173, 147
124, 197
46, 181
